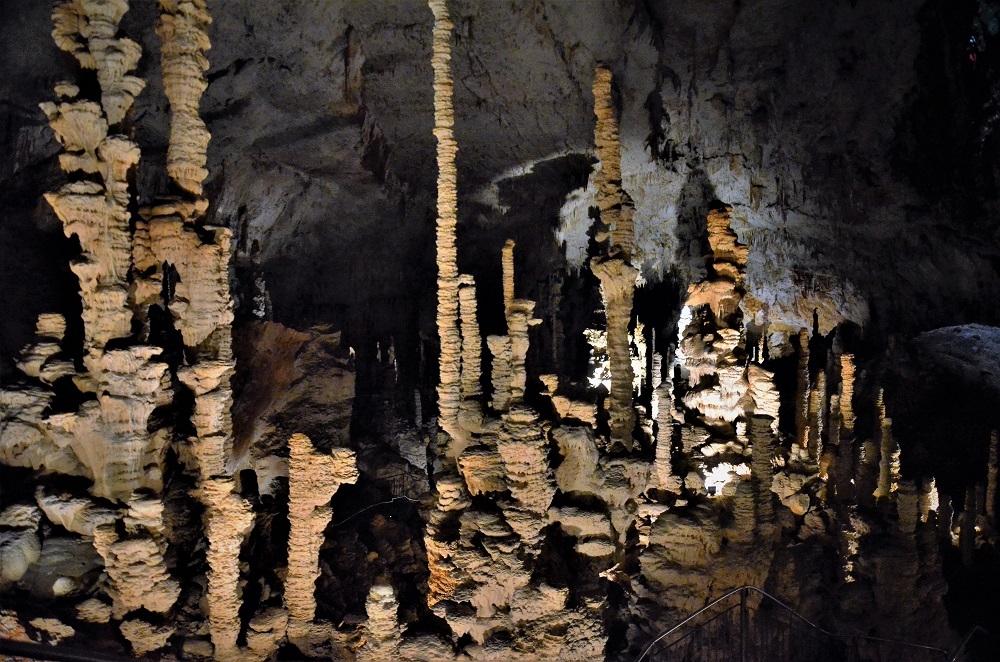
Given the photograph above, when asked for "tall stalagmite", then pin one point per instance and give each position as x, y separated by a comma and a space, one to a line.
450, 361
614, 270
313, 479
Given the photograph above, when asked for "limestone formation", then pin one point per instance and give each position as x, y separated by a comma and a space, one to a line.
313, 478
802, 392
507, 269
228, 519
183, 29
616, 212
137, 576
145, 637
382, 635
449, 388
471, 338
617, 287
888, 465
88, 30
663, 414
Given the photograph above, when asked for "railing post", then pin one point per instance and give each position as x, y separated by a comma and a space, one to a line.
743, 625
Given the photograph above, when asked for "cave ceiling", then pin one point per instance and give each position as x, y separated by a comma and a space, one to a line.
834, 136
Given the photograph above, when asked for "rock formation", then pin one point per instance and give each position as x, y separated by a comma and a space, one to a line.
449, 389
313, 479
183, 27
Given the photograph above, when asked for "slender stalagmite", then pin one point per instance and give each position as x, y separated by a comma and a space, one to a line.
471, 340
615, 272
313, 479
887, 453
449, 388
847, 392
507, 263
802, 392
609, 178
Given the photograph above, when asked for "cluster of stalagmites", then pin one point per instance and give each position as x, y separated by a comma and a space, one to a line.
676, 502
164, 262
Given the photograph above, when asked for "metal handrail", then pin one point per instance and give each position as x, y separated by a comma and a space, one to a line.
968, 637
791, 611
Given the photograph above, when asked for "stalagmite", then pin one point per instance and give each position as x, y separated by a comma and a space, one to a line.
817, 406
888, 474
521, 319
501, 371
616, 214
471, 340
313, 479
382, 635
507, 267
449, 386
762, 443
137, 576
183, 27
228, 519
802, 392
847, 391
662, 413
617, 288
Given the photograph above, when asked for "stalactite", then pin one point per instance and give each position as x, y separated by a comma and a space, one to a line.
99, 216
183, 28
96, 22
313, 479
449, 387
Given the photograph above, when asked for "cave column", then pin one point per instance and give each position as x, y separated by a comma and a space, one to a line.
313, 479
449, 387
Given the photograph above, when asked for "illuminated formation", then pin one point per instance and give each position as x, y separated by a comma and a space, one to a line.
186, 454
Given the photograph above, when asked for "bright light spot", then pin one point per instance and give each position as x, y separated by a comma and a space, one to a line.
722, 474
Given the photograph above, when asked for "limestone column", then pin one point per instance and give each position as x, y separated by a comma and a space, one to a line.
313, 479
617, 288
449, 388
802, 394
507, 266
471, 340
